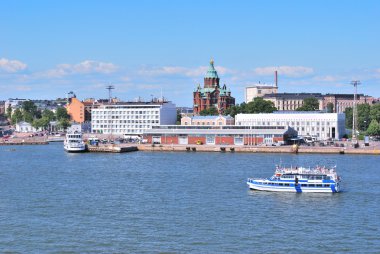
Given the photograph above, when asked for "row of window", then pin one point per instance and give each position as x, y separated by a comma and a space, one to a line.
232, 135
310, 177
123, 112
287, 123
127, 117
125, 121
204, 123
115, 127
124, 131
302, 185
308, 129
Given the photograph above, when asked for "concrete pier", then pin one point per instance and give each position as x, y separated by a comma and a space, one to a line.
27, 142
112, 149
259, 149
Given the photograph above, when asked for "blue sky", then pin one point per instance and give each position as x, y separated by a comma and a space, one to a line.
48, 48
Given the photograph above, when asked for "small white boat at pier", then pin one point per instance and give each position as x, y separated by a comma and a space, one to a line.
74, 143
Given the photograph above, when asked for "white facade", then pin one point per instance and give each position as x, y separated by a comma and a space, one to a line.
320, 125
208, 120
75, 128
259, 90
132, 118
25, 127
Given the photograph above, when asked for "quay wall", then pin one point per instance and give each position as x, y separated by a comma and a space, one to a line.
15, 143
257, 149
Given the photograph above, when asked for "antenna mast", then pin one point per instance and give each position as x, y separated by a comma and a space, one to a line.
109, 88
355, 83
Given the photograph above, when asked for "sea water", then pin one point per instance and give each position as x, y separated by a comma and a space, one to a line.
184, 202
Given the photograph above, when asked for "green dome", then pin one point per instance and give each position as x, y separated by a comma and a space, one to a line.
211, 72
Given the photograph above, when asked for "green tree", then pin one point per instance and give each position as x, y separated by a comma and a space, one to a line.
27, 117
16, 116
211, 111
41, 123
63, 123
232, 111
37, 123
330, 107
348, 113
61, 113
373, 128
48, 114
309, 104
259, 105
375, 112
30, 107
363, 116
9, 111
178, 122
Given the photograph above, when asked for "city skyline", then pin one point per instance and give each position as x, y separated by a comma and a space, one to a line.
142, 48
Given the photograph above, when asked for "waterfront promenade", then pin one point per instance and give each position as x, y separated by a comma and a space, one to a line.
343, 148
371, 150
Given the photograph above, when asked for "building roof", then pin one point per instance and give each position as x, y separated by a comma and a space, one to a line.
263, 86
211, 72
348, 96
210, 117
293, 95
227, 130
23, 123
222, 92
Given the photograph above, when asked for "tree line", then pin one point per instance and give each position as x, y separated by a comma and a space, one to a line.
368, 118
259, 105
38, 118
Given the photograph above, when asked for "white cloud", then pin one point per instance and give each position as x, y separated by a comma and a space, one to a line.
84, 67
328, 78
290, 71
11, 65
183, 71
23, 88
377, 73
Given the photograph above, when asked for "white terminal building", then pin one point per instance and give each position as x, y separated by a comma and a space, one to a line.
315, 124
132, 118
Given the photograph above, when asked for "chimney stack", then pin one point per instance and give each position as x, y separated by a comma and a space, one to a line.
275, 78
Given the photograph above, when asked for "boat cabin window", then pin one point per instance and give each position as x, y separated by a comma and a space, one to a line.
311, 185
287, 177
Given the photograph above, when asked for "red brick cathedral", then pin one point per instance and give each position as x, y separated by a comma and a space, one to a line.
212, 94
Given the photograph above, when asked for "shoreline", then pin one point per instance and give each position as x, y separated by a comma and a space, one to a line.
259, 149
371, 150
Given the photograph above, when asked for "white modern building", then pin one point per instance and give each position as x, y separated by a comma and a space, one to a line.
260, 90
319, 125
208, 120
132, 118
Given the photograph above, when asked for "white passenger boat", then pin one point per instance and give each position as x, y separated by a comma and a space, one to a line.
299, 179
74, 143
